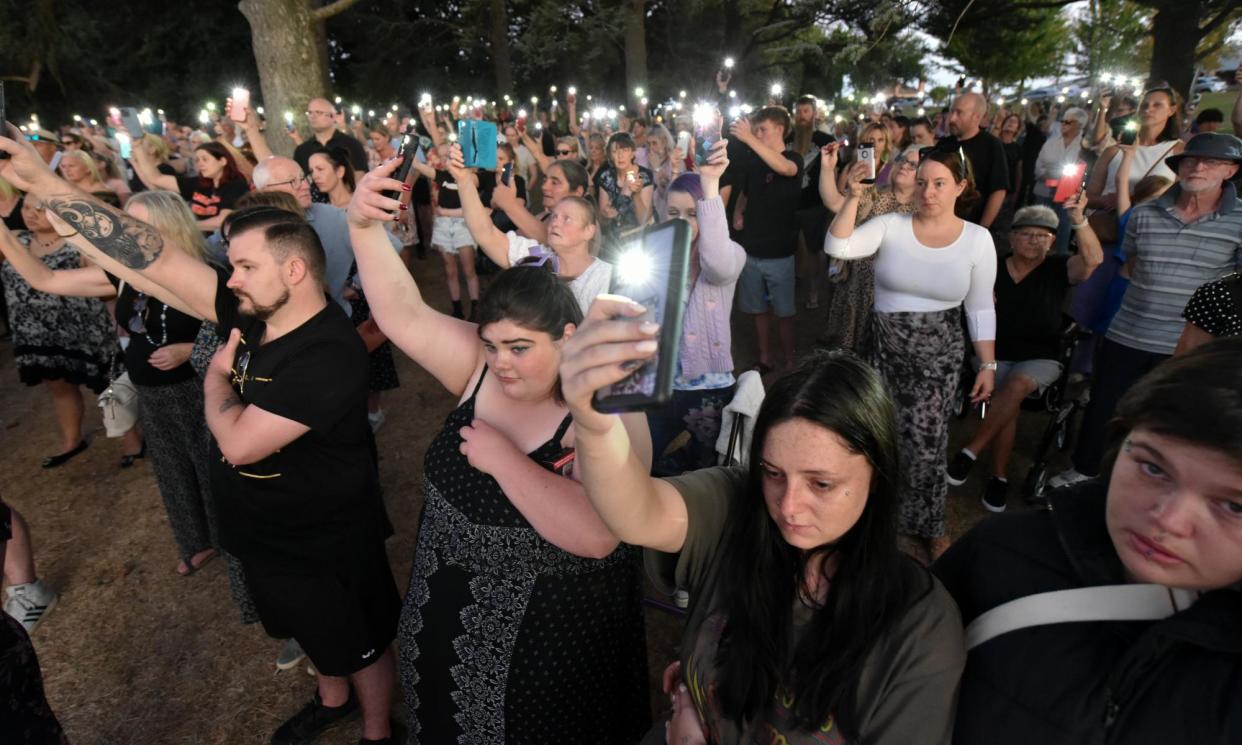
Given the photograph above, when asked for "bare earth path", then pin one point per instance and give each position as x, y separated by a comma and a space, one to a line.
135, 653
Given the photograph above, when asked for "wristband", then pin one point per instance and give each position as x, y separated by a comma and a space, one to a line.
988, 366
1079, 225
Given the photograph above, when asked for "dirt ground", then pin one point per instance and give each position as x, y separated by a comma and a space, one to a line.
135, 654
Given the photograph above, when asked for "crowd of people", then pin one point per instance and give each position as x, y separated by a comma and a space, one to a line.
238, 311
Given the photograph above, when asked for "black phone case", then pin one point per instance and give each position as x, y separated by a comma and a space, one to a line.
409, 148
670, 326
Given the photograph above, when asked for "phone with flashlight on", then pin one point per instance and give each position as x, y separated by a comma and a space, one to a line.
652, 271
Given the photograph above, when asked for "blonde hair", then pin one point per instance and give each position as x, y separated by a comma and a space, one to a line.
887, 154
170, 215
159, 146
7, 190
87, 162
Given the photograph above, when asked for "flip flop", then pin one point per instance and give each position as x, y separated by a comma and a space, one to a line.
54, 461
191, 567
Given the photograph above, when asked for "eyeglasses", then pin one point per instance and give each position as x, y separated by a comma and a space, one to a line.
549, 261
1031, 235
564, 152
291, 182
1193, 162
315, 112
907, 163
68, 143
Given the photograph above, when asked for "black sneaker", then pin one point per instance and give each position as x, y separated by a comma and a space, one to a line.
313, 720
994, 495
959, 468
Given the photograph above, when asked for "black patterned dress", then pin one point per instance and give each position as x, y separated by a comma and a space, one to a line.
57, 337
506, 638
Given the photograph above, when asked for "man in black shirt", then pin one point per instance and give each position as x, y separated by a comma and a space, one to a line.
294, 471
1030, 290
321, 114
769, 178
985, 153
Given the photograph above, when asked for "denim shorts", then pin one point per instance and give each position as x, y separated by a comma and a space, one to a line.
767, 284
450, 234
1043, 372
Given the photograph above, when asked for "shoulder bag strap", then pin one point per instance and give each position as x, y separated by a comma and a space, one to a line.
1107, 603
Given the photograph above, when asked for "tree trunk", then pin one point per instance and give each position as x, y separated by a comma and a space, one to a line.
286, 50
635, 48
499, 38
1175, 35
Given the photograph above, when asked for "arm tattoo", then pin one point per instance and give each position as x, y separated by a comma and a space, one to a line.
131, 242
230, 403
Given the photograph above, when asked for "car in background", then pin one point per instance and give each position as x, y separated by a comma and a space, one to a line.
1208, 84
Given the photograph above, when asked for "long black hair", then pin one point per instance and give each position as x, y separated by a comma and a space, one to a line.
761, 574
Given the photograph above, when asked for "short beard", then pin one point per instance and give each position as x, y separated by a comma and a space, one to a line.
264, 312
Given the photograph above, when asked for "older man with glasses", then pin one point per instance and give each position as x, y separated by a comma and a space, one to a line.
321, 115
1031, 287
1054, 156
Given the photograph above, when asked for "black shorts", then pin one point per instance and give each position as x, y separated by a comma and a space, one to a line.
345, 620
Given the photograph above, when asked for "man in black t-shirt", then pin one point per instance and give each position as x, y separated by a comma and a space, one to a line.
1031, 289
769, 178
321, 113
294, 469
985, 152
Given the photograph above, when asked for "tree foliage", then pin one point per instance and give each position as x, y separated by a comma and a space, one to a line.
1002, 42
1112, 35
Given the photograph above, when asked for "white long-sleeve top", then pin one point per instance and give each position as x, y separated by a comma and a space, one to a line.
1054, 156
913, 278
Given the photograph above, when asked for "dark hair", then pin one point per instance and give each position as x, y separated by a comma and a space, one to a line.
805, 99
959, 165
338, 157
621, 139
1210, 116
220, 152
1195, 398
575, 173
1172, 128
284, 233
923, 121
534, 298
761, 573
777, 115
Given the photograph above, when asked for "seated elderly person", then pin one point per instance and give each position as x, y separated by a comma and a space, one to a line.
1030, 293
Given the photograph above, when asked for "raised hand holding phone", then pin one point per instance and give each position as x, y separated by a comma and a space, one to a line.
239, 104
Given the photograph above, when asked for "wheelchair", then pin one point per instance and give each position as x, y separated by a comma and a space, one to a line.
1065, 401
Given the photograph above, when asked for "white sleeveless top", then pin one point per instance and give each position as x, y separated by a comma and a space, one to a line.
1145, 157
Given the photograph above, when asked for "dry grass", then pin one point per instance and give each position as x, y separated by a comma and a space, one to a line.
134, 653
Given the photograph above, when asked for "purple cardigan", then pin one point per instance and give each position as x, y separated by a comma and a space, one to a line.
706, 341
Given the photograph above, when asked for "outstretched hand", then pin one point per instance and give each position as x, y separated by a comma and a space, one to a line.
603, 350
24, 168
369, 204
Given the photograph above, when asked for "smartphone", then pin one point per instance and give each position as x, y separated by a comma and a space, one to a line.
409, 144
866, 154
126, 143
683, 141
1129, 133
241, 102
132, 122
707, 124
1070, 182
651, 270
506, 175
961, 82
478, 143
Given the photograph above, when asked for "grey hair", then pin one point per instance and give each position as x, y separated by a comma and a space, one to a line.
262, 175
1077, 114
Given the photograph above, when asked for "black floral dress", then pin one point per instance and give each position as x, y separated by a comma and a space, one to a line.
57, 337
506, 638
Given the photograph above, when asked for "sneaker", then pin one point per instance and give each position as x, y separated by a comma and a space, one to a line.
994, 495
959, 468
30, 602
290, 655
376, 419
1067, 478
313, 720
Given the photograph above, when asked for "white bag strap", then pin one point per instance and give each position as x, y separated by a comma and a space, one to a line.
1107, 603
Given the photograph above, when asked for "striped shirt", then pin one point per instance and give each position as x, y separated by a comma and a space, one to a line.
1172, 260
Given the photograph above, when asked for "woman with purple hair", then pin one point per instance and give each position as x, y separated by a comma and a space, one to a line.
704, 381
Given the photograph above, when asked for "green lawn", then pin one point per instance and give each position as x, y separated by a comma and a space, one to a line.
1223, 101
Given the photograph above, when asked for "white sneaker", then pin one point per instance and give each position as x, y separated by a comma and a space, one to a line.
290, 655
29, 603
376, 419
1067, 478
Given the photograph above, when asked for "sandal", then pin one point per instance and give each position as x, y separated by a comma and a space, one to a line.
53, 461
190, 567
128, 459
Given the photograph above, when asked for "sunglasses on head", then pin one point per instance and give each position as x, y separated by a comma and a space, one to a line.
924, 152
549, 261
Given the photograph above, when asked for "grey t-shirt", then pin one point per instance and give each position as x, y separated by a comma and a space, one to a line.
908, 689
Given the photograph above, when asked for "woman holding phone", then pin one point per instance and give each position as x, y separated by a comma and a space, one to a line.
927, 265
624, 189
806, 624
211, 195
522, 620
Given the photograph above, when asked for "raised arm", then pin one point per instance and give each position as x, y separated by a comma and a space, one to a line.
478, 218
504, 198
254, 135
846, 239
571, 103
775, 159
113, 238
1099, 178
1126, 153
1090, 253
88, 281
427, 114
636, 508
446, 347
720, 257
542, 160
145, 167
829, 193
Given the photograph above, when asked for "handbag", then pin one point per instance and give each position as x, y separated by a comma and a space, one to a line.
119, 402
